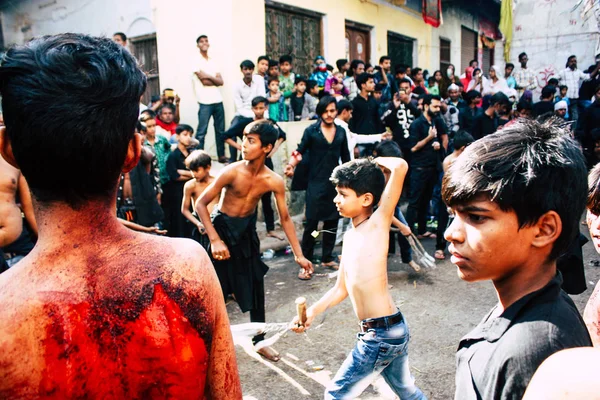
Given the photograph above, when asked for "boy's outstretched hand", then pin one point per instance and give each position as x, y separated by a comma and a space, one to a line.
306, 265
299, 328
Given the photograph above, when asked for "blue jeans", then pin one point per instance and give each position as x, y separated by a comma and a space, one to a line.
380, 351
217, 112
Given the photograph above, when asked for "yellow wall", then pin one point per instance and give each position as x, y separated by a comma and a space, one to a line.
236, 31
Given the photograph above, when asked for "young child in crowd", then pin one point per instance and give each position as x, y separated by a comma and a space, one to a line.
277, 108
175, 222
517, 197
462, 139
382, 347
234, 244
158, 144
312, 89
286, 78
199, 163
433, 87
97, 310
334, 86
320, 73
563, 97
302, 105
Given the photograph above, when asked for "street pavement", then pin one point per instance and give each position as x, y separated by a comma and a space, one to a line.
439, 308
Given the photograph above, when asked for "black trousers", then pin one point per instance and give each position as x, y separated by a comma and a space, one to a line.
258, 314
267, 207
443, 218
422, 181
327, 239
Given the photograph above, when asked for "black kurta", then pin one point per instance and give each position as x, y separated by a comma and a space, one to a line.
324, 157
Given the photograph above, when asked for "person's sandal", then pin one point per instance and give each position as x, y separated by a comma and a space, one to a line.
439, 255
331, 264
303, 275
427, 235
269, 353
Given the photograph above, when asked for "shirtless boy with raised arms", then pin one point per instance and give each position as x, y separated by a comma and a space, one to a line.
97, 310
382, 346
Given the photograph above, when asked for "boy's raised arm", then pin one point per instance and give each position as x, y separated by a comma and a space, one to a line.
186, 203
391, 194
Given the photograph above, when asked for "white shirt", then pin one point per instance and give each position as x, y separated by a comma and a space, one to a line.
206, 94
243, 95
573, 81
354, 139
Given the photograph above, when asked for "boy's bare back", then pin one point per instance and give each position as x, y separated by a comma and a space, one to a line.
195, 189
137, 316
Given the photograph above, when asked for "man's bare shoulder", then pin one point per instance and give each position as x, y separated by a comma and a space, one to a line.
275, 180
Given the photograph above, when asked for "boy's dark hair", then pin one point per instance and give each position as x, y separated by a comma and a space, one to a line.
71, 104
548, 91
146, 115
462, 138
524, 105
404, 80
362, 79
344, 105
340, 63
201, 37
286, 58
380, 87
552, 82
299, 78
419, 90
509, 65
198, 159
323, 103
523, 54
183, 127
499, 98
260, 58
311, 83
266, 131
473, 61
415, 71
388, 148
247, 64
353, 65
431, 80
529, 168
429, 97
273, 79
472, 94
384, 58
399, 69
260, 99
561, 87
362, 176
273, 63
121, 35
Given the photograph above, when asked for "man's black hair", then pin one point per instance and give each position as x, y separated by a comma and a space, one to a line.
471, 95
183, 127
299, 78
429, 97
286, 58
353, 65
523, 54
147, 114
198, 159
473, 61
500, 98
388, 148
529, 168
362, 175
380, 87
362, 79
384, 58
273, 63
509, 65
524, 105
404, 80
71, 103
340, 63
462, 138
121, 35
419, 90
201, 37
266, 131
260, 99
344, 105
311, 83
399, 69
415, 71
569, 59
260, 58
548, 91
553, 82
247, 64
324, 103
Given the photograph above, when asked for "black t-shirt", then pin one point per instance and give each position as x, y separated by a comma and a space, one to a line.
467, 116
542, 107
483, 125
399, 121
426, 157
365, 117
297, 103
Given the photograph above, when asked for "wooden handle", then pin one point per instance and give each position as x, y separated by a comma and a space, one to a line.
301, 310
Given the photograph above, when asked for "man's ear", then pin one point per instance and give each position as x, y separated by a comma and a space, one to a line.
6, 148
133, 153
549, 228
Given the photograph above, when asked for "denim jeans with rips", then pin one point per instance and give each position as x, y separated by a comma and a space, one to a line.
380, 351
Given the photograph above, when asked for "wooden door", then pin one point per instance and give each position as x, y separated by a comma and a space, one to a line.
358, 44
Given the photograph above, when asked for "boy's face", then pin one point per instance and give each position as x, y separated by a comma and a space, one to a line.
377, 95
252, 147
203, 44
274, 86
561, 112
593, 223
314, 91
487, 243
185, 138
262, 67
274, 70
348, 204
285, 67
201, 173
259, 110
150, 127
301, 87
563, 92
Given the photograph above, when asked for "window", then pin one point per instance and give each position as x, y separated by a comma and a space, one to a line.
294, 31
144, 49
400, 49
444, 55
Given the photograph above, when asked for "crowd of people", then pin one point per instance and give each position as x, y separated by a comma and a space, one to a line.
511, 171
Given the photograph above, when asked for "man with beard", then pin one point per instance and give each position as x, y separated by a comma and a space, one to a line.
487, 122
426, 146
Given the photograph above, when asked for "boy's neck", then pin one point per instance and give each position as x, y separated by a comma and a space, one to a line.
362, 217
286, 74
299, 94
255, 166
182, 148
525, 280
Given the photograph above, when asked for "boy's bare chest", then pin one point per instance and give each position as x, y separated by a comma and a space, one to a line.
249, 187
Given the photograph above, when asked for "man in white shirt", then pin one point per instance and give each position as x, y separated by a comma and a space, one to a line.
206, 81
573, 78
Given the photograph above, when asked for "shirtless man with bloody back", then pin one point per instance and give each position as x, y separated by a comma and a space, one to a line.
97, 310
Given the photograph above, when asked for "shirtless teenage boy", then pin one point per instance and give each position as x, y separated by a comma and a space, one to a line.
360, 184
234, 244
97, 310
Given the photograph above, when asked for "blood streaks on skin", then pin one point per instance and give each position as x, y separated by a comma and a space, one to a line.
117, 349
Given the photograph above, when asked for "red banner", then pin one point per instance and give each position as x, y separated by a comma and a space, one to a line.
432, 12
